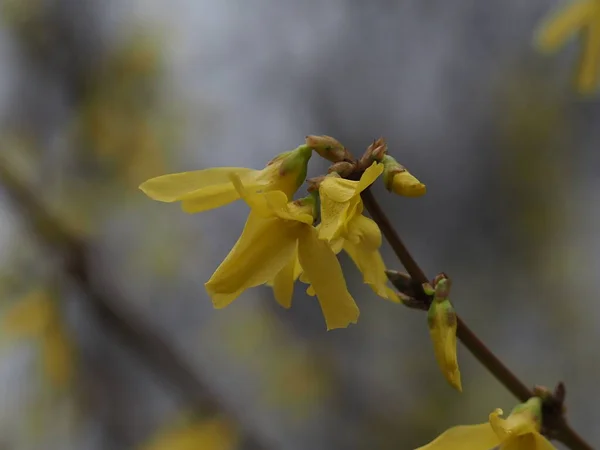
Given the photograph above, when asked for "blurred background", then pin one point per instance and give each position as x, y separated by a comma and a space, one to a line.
107, 337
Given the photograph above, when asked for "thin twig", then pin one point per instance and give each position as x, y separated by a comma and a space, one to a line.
133, 332
560, 429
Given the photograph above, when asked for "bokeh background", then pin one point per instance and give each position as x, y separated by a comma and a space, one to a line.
98, 95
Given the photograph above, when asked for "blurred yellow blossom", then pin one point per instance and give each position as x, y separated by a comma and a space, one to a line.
519, 431
274, 231
202, 190
36, 317
208, 434
579, 16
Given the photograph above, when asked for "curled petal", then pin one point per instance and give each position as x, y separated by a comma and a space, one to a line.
365, 231
371, 265
465, 437
516, 424
324, 272
369, 176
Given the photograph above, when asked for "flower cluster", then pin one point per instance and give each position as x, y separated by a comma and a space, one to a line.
285, 240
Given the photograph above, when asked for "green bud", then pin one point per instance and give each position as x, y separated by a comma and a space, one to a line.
290, 169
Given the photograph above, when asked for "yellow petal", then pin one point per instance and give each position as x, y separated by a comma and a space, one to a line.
271, 203
211, 434
516, 424
369, 176
333, 218
283, 284
338, 189
365, 231
524, 442
465, 437
371, 265
407, 185
324, 272
261, 252
564, 24
541, 443
198, 183
588, 75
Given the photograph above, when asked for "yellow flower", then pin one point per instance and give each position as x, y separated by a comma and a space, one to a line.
202, 190
579, 16
519, 431
343, 225
266, 252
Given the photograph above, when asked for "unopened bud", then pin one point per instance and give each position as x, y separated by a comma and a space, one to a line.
530, 411
442, 322
399, 180
343, 168
327, 147
375, 152
314, 183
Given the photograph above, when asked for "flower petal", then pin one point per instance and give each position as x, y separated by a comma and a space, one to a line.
564, 24
369, 176
324, 272
333, 218
465, 437
283, 284
176, 186
365, 231
541, 443
338, 189
371, 265
516, 424
261, 252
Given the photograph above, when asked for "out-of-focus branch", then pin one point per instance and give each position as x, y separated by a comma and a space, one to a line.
554, 419
111, 309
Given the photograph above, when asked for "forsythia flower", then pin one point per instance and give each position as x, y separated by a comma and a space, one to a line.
343, 225
211, 434
519, 431
277, 230
579, 16
442, 323
202, 190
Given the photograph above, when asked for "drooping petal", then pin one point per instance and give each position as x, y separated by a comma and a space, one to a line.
371, 265
564, 24
324, 272
198, 183
465, 437
588, 75
261, 252
283, 284
333, 218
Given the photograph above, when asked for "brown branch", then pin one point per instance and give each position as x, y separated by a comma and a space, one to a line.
554, 419
132, 331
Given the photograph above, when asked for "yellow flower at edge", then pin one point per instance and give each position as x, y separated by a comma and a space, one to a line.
275, 230
210, 434
519, 431
343, 225
202, 190
580, 16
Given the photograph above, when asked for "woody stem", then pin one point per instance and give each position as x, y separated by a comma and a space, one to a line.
563, 432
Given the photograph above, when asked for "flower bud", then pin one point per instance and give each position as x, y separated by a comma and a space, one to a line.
399, 180
375, 152
342, 168
287, 171
442, 322
328, 148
